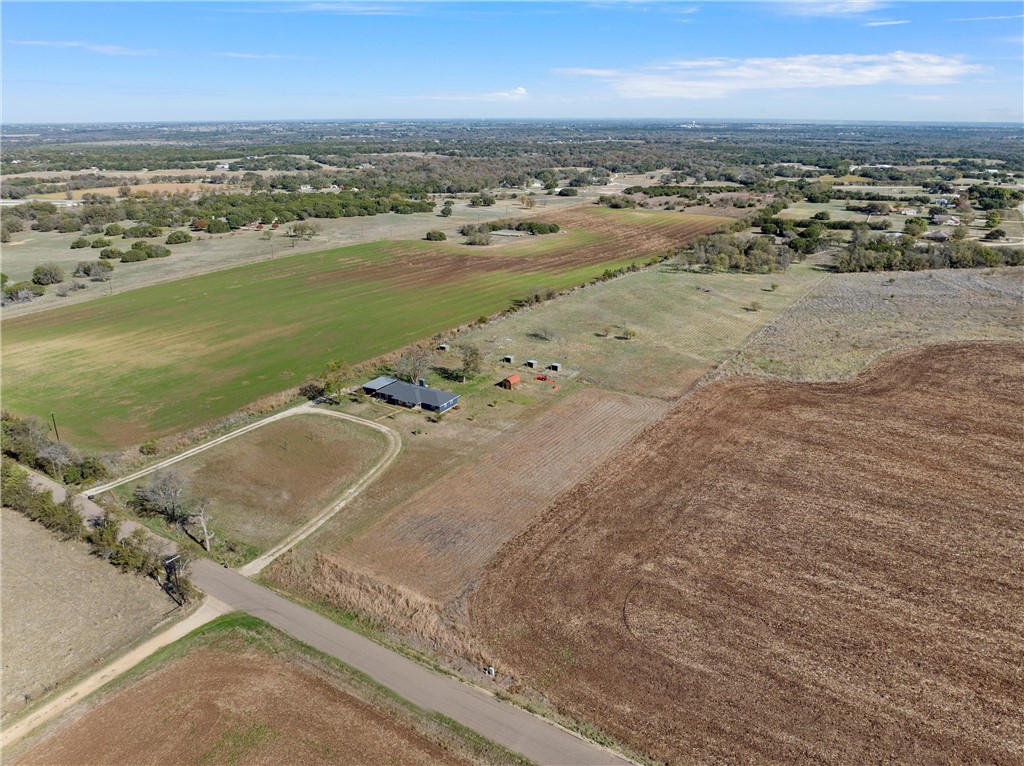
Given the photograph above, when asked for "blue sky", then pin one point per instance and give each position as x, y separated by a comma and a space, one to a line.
333, 59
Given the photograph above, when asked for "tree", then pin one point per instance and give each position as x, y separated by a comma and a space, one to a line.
305, 229
472, 360
915, 227
435, 235
218, 226
995, 234
993, 219
165, 494
48, 273
312, 390
527, 201
413, 364
336, 374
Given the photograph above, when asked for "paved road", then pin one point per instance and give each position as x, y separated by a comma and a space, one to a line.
522, 732
510, 726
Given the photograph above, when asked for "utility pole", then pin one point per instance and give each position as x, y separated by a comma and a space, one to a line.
55, 431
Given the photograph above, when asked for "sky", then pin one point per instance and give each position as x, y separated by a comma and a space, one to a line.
338, 59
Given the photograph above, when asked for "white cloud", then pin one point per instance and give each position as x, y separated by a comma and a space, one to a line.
830, 7
109, 50
991, 18
926, 97
516, 94
717, 78
885, 23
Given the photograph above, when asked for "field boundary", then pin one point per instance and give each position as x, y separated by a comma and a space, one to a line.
257, 565
210, 610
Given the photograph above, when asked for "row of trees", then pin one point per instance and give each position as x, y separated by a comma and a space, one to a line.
731, 252
136, 552
28, 441
865, 253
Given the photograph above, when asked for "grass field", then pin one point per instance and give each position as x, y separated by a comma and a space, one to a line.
158, 360
265, 484
65, 612
238, 691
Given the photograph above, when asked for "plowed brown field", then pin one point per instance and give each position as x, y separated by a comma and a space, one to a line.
217, 707
792, 573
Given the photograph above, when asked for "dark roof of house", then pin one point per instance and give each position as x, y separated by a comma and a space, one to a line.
413, 395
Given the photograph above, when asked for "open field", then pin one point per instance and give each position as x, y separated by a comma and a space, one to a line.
791, 573
65, 612
238, 691
437, 542
214, 252
850, 320
162, 359
685, 322
265, 484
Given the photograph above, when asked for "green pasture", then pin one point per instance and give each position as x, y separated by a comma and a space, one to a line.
159, 360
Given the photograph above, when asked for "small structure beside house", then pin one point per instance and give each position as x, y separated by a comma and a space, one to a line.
407, 395
510, 382
555, 366
508, 359
443, 347
531, 363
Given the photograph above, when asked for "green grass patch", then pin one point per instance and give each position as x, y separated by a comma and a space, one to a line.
121, 369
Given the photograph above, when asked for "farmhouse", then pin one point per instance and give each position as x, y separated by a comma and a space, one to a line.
407, 395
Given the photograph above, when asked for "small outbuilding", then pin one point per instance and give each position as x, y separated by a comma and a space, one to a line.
510, 382
555, 366
531, 363
443, 347
508, 359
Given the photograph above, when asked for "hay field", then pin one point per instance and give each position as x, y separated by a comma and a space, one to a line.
65, 612
158, 360
238, 691
791, 573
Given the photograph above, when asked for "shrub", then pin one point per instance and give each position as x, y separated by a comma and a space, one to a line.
114, 230
479, 238
100, 242
217, 226
48, 274
142, 231
79, 243
21, 292
111, 253
568, 191
178, 238
434, 235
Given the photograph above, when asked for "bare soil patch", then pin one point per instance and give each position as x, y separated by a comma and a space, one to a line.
791, 573
64, 612
851, 320
214, 706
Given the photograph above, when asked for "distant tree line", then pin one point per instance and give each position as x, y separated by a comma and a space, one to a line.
867, 253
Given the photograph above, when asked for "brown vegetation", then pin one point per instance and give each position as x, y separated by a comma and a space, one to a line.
787, 572
213, 706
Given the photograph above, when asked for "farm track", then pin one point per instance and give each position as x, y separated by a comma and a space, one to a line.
257, 565
777, 561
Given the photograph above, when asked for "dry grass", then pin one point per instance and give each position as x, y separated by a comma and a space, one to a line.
64, 612
851, 320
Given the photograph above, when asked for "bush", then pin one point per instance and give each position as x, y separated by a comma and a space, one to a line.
111, 253
142, 231
479, 238
114, 230
568, 191
133, 256
178, 238
79, 243
48, 274
20, 292
435, 235
313, 390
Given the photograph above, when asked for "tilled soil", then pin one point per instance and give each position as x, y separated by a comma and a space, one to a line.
791, 573
217, 707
